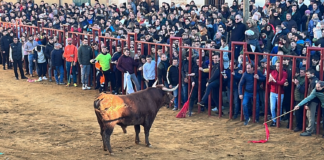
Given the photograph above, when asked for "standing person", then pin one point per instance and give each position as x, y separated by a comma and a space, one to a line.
316, 93
299, 81
237, 33
126, 64
310, 102
275, 83
247, 81
173, 80
48, 50
16, 56
71, 57
29, 48
23, 42
104, 59
39, 58
5, 45
84, 57
162, 69
57, 63
149, 71
117, 73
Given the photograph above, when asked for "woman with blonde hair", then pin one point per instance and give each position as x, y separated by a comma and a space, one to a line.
252, 35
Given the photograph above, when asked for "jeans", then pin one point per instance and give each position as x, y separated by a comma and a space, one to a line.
139, 79
184, 93
246, 99
31, 63
85, 71
175, 95
210, 86
58, 70
26, 63
134, 79
19, 64
273, 103
235, 100
41, 69
68, 70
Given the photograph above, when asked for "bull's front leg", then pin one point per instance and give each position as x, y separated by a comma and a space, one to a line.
147, 127
107, 133
137, 131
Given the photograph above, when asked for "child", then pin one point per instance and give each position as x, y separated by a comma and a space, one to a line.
41, 63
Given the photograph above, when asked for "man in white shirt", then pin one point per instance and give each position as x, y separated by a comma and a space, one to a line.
149, 71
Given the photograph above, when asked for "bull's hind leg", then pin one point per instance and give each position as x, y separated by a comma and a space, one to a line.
101, 131
147, 127
124, 128
108, 131
137, 131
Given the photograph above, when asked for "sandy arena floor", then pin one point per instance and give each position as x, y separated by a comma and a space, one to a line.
45, 121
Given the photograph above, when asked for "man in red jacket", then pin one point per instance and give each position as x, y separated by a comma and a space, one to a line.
275, 85
126, 64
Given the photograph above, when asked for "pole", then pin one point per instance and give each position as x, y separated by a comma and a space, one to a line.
246, 8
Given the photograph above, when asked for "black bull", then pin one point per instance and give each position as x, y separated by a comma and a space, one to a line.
136, 109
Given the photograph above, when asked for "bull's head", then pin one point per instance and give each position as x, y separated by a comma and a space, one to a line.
168, 97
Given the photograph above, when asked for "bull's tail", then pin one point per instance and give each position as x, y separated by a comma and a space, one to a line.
112, 120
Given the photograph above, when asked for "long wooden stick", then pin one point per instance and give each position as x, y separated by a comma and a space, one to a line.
279, 116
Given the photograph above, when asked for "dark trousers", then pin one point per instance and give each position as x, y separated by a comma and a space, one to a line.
213, 86
41, 69
299, 116
150, 83
109, 77
118, 81
193, 97
5, 59
19, 64
26, 63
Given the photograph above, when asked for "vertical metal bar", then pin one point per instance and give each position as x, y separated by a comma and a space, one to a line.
231, 83
199, 80
189, 71
255, 83
306, 87
292, 95
243, 69
319, 106
220, 96
180, 78
266, 93
279, 92
210, 69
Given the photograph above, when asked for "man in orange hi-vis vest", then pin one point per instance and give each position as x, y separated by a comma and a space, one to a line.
71, 57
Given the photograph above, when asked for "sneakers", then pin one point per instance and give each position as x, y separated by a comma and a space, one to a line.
201, 103
68, 85
297, 129
24, 77
44, 78
306, 133
61, 83
50, 80
247, 121
75, 85
83, 87
86, 87
273, 124
174, 109
17, 78
215, 109
40, 79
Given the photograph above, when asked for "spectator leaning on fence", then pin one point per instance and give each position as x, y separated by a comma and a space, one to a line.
173, 80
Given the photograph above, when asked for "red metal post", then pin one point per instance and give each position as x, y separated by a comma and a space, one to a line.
220, 102
255, 83
266, 93
292, 95
199, 81
210, 69
279, 93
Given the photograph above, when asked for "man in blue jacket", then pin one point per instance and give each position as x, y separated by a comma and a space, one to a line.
57, 63
248, 81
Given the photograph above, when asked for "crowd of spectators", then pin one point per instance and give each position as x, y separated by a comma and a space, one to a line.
280, 27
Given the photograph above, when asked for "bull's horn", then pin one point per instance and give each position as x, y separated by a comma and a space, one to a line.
170, 90
154, 84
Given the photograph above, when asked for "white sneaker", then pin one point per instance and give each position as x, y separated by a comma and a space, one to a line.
44, 78
86, 87
215, 109
40, 79
83, 87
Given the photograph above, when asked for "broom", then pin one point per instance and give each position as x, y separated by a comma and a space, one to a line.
183, 111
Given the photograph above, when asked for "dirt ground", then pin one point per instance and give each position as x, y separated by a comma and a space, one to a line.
45, 121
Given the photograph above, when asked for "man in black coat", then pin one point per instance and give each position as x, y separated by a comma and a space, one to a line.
173, 80
162, 70
16, 56
5, 45
48, 50
237, 32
